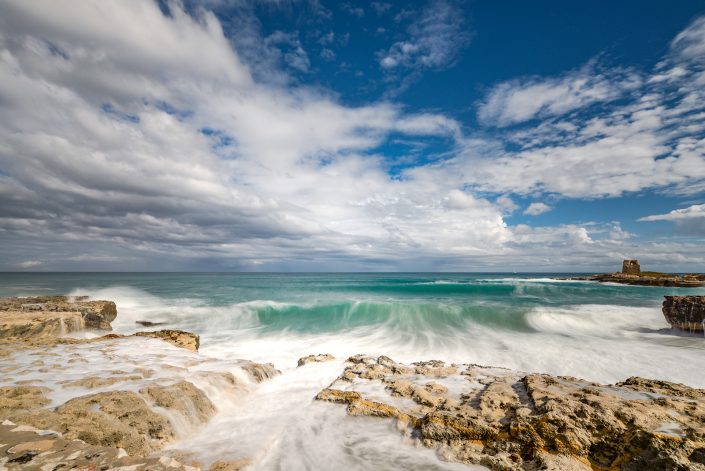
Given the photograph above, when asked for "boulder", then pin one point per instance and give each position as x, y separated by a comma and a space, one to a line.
178, 338
685, 312
315, 359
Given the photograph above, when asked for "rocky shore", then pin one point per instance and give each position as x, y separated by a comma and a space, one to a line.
55, 415
685, 312
112, 401
631, 274
507, 420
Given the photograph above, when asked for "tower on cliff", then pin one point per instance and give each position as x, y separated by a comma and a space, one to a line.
631, 267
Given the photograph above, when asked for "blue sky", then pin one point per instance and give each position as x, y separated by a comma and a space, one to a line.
304, 135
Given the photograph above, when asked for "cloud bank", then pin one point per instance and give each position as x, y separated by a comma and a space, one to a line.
137, 137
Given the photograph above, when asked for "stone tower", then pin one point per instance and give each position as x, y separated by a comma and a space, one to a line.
631, 267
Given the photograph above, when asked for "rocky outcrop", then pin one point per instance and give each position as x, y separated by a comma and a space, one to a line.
24, 447
118, 419
53, 315
38, 326
182, 397
685, 312
511, 421
315, 359
631, 274
178, 338
652, 279
259, 371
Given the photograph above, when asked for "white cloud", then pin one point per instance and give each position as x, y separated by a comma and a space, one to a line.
517, 101
506, 204
694, 211
689, 221
652, 137
164, 147
689, 44
435, 37
534, 209
197, 159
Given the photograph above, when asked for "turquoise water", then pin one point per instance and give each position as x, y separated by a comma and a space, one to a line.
528, 322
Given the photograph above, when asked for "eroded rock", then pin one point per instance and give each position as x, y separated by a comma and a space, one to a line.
179, 338
508, 420
95, 314
315, 359
26, 448
685, 312
182, 397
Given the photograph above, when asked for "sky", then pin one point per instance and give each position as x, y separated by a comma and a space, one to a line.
285, 135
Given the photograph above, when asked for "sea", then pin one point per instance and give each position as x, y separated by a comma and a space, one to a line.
530, 322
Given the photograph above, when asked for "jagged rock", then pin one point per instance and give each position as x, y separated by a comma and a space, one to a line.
184, 398
38, 325
685, 312
52, 316
315, 359
24, 447
260, 371
179, 338
510, 421
22, 397
112, 418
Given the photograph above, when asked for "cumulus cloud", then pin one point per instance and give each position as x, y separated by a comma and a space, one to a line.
434, 39
535, 209
110, 149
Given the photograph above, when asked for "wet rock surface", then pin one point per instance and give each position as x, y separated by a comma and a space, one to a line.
315, 359
24, 447
178, 338
95, 314
506, 420
685, 312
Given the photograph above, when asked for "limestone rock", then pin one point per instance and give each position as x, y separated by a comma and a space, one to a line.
685, 312
315, 359
22, 397
182, 397
512, 421
38, 325
179, 338
259, 371
26, 448
47, 316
